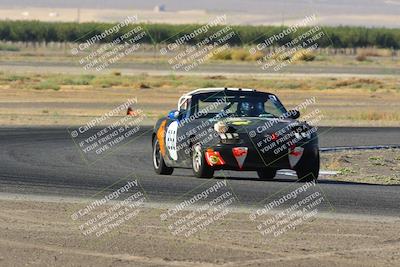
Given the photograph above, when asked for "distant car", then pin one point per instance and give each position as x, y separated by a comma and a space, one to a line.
234, 129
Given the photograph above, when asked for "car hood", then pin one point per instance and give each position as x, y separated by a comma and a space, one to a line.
262, 125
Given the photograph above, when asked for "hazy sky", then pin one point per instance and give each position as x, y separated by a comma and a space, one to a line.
371, 13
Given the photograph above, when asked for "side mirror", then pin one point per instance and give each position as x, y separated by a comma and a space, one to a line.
293, 114
173, 115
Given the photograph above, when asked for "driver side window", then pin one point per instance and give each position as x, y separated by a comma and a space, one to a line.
272, 108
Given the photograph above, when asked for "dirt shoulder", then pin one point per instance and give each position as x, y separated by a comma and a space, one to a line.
364, 166
43, 234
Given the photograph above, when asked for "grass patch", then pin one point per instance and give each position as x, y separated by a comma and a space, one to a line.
361, 58
76, 80
9, 47
47, 84
288, 85
143, 86
304, 55
373, 52
207, 84
106, 81
15, 78
371, 84
240, 55
352, 81
375, 158
345, 171
223, 55
377, 116
237, 54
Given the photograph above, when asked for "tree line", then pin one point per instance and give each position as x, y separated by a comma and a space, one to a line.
338, 36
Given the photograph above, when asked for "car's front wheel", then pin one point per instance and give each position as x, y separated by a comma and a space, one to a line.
158, 161
199, 164
307, 169
266, 174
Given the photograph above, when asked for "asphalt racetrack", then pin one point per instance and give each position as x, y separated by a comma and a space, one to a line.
45, 161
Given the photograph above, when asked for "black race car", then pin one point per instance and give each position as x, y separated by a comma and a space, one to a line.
234, 129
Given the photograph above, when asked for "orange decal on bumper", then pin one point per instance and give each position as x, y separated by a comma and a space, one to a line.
160, 137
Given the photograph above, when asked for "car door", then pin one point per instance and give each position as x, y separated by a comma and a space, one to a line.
176, 138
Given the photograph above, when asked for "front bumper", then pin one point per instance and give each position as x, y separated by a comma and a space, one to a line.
256, 158
253, 159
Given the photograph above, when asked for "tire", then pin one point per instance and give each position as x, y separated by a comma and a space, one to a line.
266, 174
199, 164
158, 161
307, 169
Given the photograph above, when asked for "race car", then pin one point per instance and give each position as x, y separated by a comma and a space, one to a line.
234, 129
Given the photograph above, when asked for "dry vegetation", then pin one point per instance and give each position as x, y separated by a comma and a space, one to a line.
367, 166
69, 99
61, 52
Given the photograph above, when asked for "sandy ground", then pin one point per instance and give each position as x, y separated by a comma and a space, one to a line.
43, 234
364, 166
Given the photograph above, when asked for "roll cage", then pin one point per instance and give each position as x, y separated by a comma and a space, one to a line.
187, 102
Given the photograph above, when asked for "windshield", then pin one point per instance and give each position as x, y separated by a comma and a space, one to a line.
238, 105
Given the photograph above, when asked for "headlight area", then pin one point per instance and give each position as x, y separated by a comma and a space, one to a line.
221, 127
226, 134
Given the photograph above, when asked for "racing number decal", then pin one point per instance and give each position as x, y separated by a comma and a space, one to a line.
171, 140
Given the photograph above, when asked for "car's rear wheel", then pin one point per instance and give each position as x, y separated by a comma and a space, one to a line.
307, 169
266, 174
199, 164
158, 161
